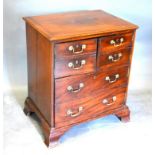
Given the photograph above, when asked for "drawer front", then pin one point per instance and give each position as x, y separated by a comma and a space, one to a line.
71, 113
85, 87
76, 48
75, 65
116, 58
115, 42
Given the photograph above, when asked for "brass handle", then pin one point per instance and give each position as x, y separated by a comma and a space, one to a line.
117, 42
107, 78
72, 48
107, 102
77, 64
71, 89
72, 114
115, 57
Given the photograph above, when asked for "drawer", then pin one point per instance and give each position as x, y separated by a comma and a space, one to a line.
114, 58
70, 113
75, 65
85, 87
76, 48
115, 42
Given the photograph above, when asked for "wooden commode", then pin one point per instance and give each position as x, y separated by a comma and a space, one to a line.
78, 68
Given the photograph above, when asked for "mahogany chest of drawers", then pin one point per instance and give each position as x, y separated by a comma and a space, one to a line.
78, 68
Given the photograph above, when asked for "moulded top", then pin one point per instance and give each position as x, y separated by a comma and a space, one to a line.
61, 26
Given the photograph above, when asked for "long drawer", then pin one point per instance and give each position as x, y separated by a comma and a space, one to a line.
74, 112
84, 87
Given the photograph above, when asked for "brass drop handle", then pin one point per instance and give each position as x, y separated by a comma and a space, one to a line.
115, 57
107, 102
73, 114
73, 49
117, 42
78, 64
71, 89
107, 78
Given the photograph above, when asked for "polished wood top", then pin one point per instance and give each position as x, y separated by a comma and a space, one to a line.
61, 26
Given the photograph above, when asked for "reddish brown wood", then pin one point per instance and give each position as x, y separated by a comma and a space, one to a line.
91, 108
93, 84
52, 135
62, 49
105, 61
48, 40
131, 55
106, 46
124, 114
40, 87
44, 77
31, 38
30, 107
63, 26
62, 69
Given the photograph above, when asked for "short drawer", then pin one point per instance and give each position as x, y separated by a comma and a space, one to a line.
75, 65
70, 113
85, 87
76, 48
114, 58
115, 42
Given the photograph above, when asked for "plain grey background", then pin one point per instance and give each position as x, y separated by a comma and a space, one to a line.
15, 62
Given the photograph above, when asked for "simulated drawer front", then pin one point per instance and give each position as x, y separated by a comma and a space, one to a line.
75, 65
115, 42
114, 58
85, 87
76, 48
70, 113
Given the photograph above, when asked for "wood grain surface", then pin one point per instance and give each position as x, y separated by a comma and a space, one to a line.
62, 49
78, 69
93, 84
62, 26
91, 108
62, 69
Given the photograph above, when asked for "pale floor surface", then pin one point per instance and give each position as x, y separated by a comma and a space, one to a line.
23, 136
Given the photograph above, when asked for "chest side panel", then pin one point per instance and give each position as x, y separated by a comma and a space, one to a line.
44, 77
31, 39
